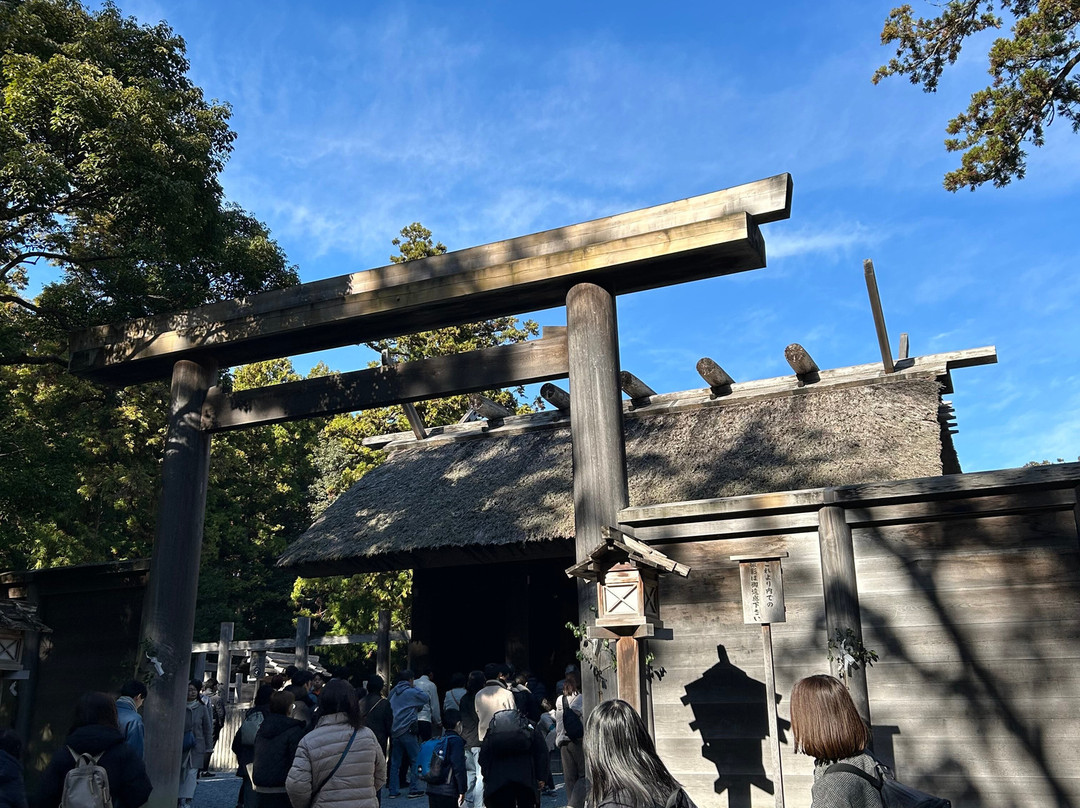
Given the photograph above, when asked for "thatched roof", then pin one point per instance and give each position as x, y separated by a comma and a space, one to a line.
486, 497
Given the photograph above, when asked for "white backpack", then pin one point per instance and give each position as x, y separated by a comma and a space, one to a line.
87, 785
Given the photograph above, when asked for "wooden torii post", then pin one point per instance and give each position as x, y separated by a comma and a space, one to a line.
583, 266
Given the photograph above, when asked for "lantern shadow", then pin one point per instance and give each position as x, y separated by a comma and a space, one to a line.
732, 718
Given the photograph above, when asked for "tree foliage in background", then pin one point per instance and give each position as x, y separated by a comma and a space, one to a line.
1033, 78
109, 164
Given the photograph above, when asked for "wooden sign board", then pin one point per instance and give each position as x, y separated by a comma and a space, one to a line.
762, 591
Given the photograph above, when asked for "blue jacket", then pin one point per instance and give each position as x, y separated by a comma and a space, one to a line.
131, 723
405, 701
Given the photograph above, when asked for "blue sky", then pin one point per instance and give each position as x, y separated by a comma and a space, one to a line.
492, 120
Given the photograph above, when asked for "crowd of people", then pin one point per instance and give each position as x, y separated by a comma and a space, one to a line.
487, 743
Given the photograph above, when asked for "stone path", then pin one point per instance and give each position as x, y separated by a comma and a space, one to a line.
221, 792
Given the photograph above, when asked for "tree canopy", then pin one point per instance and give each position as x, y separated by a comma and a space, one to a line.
109, 164
1033, 78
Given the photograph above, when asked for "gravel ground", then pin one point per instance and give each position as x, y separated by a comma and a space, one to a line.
222, 790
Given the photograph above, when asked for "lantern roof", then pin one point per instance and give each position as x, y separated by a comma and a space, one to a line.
620, 547
20, 616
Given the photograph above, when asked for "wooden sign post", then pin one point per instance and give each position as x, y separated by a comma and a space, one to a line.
762, 582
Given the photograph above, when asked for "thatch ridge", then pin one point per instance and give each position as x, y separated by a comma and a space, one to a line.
516, 491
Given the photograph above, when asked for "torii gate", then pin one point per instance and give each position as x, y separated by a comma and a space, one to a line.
586, 265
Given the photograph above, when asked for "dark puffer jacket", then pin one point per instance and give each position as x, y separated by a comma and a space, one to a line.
12, 791
275, 747
128, 783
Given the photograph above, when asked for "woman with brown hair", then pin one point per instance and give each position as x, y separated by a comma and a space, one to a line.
827, 727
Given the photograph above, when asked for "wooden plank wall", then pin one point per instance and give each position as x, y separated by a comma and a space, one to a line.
972, 606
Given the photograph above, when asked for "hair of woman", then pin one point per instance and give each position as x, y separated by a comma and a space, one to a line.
824, 720
475, 682
262, 695
570, 685
340, 697
281, 702
95, 708
621, 759
457, 680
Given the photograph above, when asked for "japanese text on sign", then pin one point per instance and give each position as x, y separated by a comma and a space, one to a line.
762, 591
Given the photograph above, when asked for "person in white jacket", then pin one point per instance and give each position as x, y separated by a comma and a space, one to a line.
430, 719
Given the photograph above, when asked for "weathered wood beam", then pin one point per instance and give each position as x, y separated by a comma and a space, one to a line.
841, 590
879, 315
701, 237
486, 369
905, 348
639, 392
486, 408
715, 376
289, 643
169, 614
801, 362
416, 423
599, 452
556, 397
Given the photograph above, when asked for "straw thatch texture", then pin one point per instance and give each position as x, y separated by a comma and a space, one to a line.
429, 503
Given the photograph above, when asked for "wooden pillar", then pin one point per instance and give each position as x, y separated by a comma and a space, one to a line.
597, 432
224, 660
842, 592
629, 669
198, 666
1076, 510
303, 634
169, 615
382, 647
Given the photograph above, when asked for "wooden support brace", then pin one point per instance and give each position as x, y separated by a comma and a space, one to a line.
639, 392
411, 415
805, 367
715, 376
556, 397
486, 408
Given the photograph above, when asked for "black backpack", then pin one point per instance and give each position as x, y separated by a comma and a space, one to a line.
510, 732
893, 793
571, 722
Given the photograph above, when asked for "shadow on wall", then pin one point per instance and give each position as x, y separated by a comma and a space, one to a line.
731, 716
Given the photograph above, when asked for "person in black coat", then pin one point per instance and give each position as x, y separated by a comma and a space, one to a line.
97, 732
375, 711
275, 748
245, 752
12, 790
514, 780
